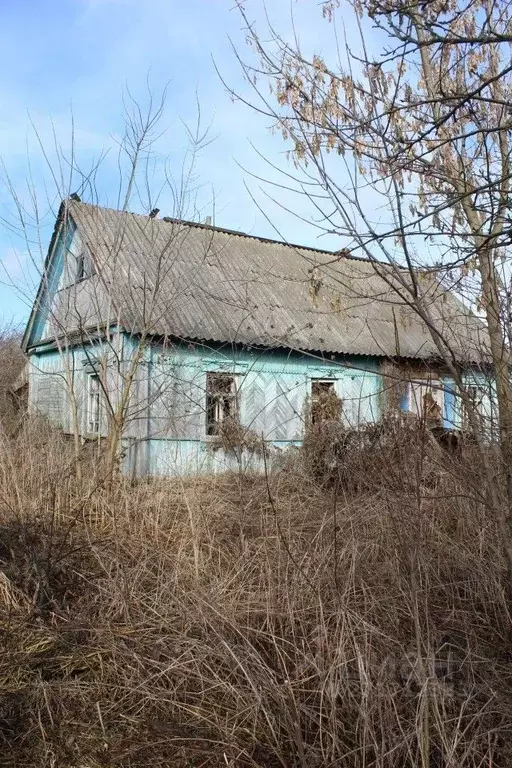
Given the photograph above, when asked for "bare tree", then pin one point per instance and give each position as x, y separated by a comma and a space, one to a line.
409, 118
93, 319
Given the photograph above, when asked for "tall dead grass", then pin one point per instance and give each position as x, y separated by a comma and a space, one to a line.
251, 621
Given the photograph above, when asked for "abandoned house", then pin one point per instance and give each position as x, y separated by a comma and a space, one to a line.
185, 336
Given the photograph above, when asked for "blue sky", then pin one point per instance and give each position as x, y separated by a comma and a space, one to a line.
67, 62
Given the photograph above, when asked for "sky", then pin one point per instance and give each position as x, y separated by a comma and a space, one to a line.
65, 65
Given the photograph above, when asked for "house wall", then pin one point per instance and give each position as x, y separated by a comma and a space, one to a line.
274, 388
170, 436
82, 306
58, 381
165, 431
48, 387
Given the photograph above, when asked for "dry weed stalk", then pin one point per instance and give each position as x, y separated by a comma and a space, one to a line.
347, 626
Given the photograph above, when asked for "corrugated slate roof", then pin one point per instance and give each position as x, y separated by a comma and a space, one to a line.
204, 283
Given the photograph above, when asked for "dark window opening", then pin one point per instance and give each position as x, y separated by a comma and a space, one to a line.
221, 401
80, 266
325, 403
84, 266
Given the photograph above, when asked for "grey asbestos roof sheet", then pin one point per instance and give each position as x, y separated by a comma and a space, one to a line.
198, 282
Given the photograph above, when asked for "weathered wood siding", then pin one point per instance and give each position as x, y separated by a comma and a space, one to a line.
58, 382
168, 436
81, 305
165, 430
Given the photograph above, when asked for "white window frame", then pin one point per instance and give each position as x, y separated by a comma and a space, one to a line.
221, 406
416, 391
93, 404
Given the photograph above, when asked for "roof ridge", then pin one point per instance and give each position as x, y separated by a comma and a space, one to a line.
344, 253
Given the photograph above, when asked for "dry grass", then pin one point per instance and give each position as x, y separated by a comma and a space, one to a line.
240, 621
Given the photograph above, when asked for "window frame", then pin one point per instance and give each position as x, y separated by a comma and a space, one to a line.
477, 395
80, 267
84, 266
94, 410
215, 402
320, 380
433, 386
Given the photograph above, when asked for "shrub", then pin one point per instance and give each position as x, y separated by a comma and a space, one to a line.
238, 440
12, 361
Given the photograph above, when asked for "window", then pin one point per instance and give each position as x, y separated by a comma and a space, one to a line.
93, 403
426, 400
475, 396
221, 401
325, 403
84, 266
80, 266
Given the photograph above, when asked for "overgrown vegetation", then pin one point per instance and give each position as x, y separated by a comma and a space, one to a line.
406, 112
12, 361
271, 621
237, 440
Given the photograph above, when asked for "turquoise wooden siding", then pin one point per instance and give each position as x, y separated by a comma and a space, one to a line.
274, 389
49, 390
58, 382
165, 431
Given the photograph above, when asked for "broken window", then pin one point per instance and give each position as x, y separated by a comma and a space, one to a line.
221, 401
325, 403
84, 266
80, 266
93, 404
426, 400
